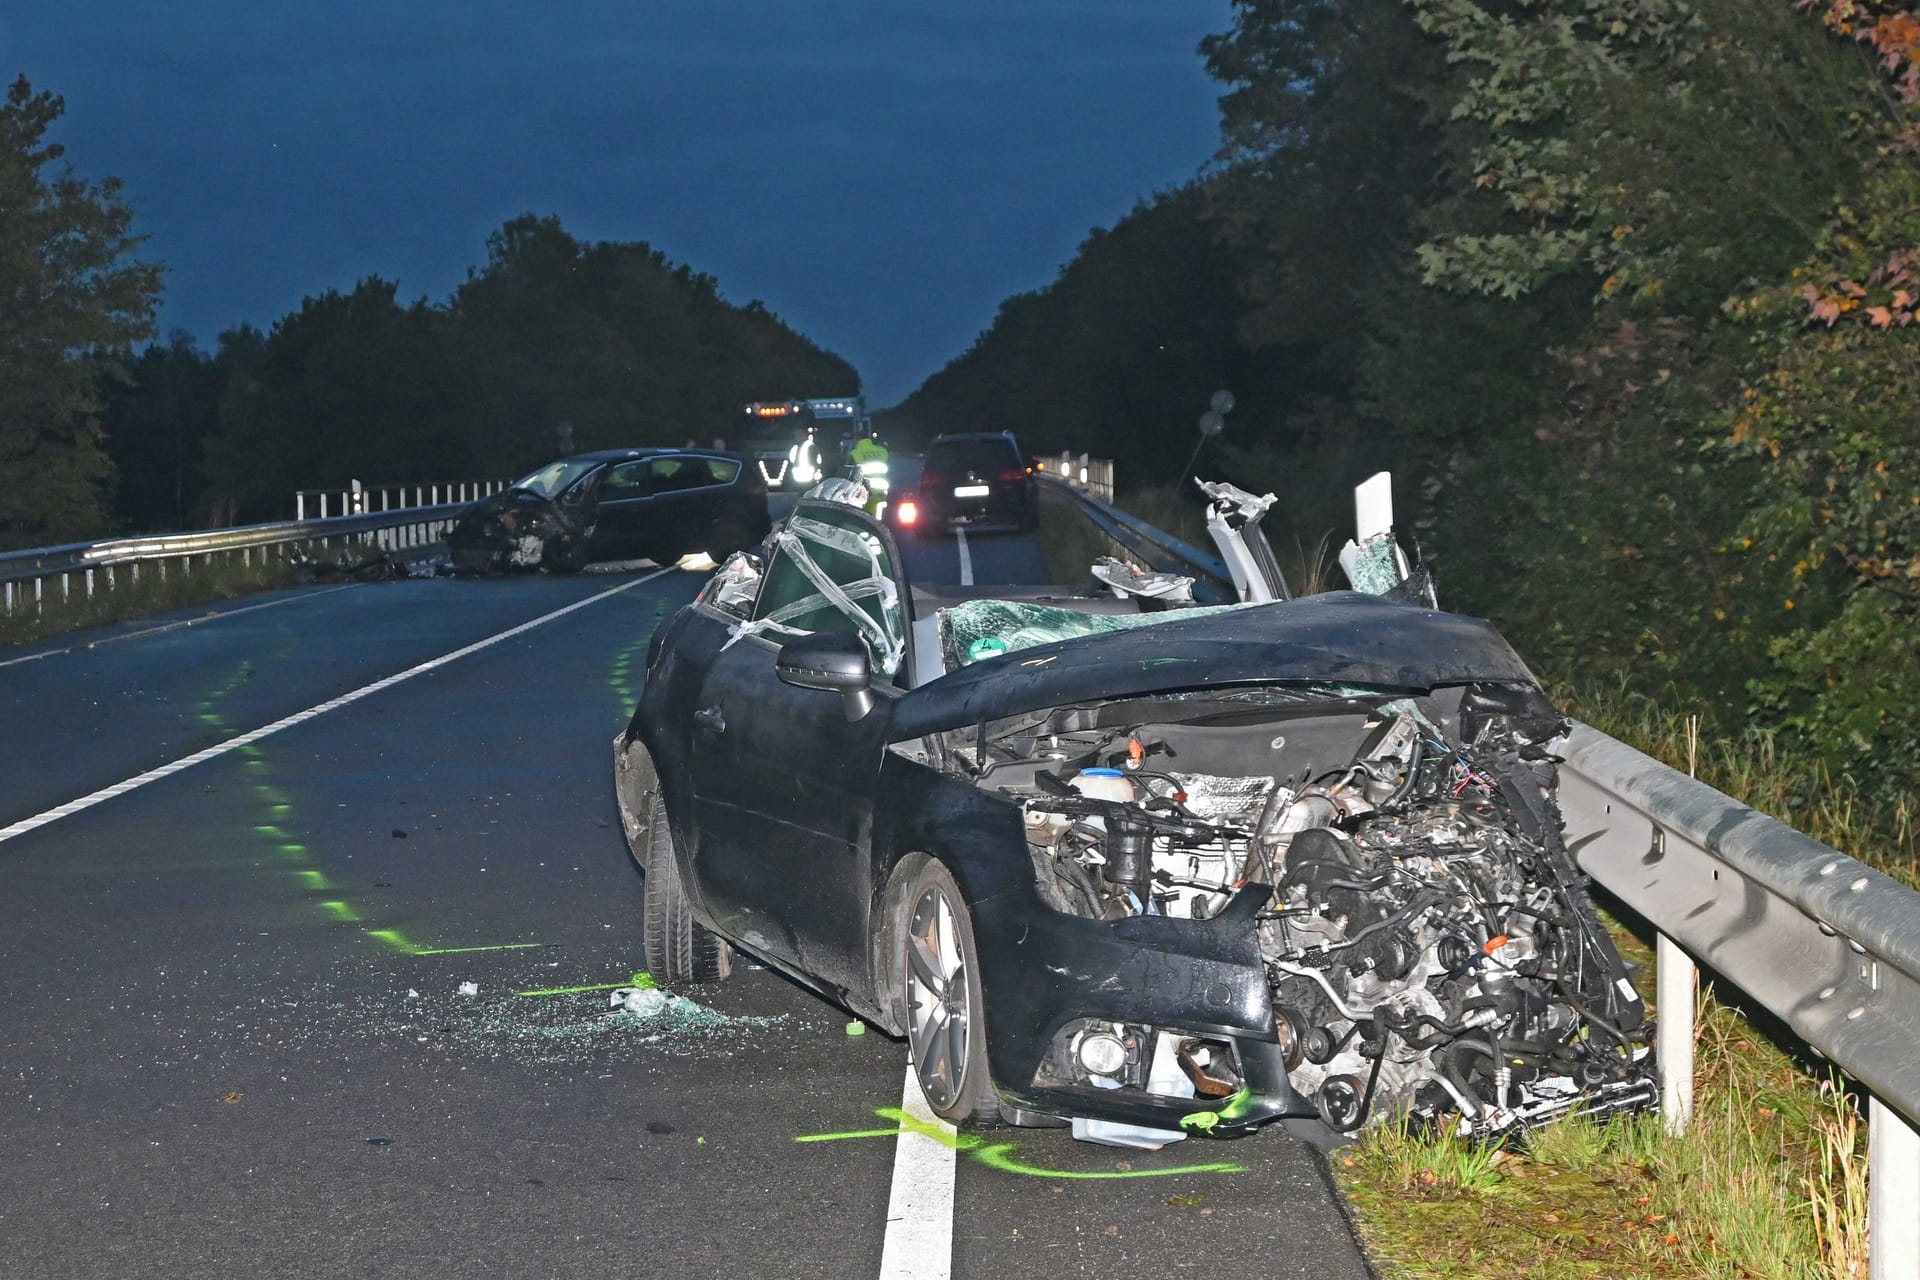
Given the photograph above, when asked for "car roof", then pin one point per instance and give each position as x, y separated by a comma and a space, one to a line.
651, 451
974, 435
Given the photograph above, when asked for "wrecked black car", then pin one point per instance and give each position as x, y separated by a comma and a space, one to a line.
621, 504
1147, 868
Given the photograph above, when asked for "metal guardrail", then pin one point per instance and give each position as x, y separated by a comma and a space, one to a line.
1824, 942
83, 568
364, 499
1159, 549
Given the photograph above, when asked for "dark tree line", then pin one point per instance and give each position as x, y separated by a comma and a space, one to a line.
553, 345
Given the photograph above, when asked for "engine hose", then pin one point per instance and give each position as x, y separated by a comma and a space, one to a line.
1373, 1078
1574, 1002
1069, 869
1301, 971
1413, 773
1469, 1105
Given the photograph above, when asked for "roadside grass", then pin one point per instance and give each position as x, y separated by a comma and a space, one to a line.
1069, 541
1881, 828
202, 584
1768, 1182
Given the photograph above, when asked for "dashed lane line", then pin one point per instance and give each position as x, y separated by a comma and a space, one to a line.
919, 1241
105, 794
966, 558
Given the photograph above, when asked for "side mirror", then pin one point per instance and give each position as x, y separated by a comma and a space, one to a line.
834, 661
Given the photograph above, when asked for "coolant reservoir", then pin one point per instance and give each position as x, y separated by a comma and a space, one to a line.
1103, 784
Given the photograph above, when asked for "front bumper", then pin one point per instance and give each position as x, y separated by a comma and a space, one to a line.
1042, 970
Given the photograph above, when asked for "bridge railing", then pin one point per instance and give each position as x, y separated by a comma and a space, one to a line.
1826, 943
357, 499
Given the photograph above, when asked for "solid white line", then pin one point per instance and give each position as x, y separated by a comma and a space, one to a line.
214, 616
966, 558
101, 796
919, 1244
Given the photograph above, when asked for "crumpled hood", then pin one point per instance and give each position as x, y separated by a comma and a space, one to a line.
1339, 638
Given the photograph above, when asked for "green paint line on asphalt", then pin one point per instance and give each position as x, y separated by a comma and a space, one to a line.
642, 981
1000, 1154
499, 946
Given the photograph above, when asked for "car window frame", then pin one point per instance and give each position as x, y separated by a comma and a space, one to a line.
775, 634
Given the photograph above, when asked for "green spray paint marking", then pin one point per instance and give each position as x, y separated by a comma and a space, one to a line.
1204, 1121
999, 1155
399, 942
642, 981
339, 910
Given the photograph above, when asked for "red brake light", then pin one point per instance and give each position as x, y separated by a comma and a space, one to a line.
908, 511
1012, 474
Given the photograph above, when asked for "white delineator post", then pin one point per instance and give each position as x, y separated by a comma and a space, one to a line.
1893, 1194
1675, 992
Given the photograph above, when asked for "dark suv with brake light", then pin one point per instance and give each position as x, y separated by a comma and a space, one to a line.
980, 477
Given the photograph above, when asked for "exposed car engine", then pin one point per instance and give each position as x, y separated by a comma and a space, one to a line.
1429, 944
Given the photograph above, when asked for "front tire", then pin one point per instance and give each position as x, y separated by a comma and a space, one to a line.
677, 948
943, 1011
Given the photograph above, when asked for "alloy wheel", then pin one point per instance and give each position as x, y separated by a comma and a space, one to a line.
937, 1014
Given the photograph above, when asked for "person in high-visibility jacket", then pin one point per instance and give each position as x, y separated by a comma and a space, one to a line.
803, 462
870, 456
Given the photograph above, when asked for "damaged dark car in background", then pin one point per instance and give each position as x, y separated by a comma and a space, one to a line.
1120, 861
619, 504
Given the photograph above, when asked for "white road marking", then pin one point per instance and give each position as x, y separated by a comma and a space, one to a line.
213, 616
966, 558
105, 794
919, 1244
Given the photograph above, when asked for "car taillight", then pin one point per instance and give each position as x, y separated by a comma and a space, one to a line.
1012, 474
932, 479
908, 511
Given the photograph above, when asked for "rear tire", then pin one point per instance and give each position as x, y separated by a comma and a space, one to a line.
941, 1006
677, 948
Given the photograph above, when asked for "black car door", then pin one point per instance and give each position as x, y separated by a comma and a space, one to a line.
686, 492
783, 782
621, 515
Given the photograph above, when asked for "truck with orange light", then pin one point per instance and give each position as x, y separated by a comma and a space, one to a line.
796, 443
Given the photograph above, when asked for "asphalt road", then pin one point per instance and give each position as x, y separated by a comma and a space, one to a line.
234, 1038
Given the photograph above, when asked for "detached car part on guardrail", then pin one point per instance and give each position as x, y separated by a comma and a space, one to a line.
1152, 871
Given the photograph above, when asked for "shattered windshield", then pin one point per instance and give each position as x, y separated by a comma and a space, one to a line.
555, 478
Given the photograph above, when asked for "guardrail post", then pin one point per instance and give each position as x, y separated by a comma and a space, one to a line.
1675, 995
1893, 1194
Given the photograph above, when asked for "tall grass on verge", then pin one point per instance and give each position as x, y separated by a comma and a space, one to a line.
1068, 540
1770, 1181
1881, 828
202, 584
1837, 1197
